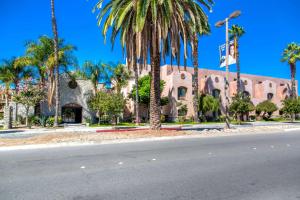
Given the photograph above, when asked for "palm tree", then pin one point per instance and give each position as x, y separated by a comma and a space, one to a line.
40, 54
291, 55
56, 67
204, 29
95, 72
6, 78
236, 32
14, 71
120, 77
150, 28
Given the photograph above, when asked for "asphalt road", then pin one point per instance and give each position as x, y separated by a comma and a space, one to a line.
260, 167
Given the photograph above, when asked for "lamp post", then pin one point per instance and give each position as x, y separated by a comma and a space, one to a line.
233, 15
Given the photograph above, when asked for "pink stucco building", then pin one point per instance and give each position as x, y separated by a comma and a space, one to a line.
179, 88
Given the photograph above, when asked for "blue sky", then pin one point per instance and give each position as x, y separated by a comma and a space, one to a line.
270, 25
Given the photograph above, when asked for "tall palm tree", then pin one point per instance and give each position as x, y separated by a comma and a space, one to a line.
158, 28
40, 54
120, 77
55, 40
236, 33
14, 71
6, 78
95, 72
204, 29
292, 55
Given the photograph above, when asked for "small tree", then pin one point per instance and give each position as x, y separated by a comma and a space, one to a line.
266, 109
107, 103
144, 91
240, 106
116, 103
291, 107
99, 103
208, 103
29, 96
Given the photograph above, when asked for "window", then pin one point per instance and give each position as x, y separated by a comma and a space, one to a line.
217, 80
182, 76
245, 82
270, 96
182, 93
216, 93
72, 84
270, 85
246, 94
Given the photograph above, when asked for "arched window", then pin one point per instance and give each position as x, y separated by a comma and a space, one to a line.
217, 79
246, 94
182, 93
270, 85
245, 82
216, 93
270, 96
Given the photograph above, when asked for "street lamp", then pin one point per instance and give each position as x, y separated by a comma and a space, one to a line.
233, 15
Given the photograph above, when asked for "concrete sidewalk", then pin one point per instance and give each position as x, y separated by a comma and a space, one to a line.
20, 133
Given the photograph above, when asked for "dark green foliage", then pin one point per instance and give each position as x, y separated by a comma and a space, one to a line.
291, 106
241, 105
144, 90
104, 103
208, 104
266, 109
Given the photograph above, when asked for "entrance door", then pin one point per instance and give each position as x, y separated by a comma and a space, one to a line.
72, 113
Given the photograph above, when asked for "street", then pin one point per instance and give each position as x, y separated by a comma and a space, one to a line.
249, 167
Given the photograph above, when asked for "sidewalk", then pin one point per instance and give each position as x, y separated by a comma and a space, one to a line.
25, 132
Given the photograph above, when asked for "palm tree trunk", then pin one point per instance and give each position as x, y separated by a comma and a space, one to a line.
293, 80
238, 68
57, 96
136, 80
195, 79
17, 105
155, 123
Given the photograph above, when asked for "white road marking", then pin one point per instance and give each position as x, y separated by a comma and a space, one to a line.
254, 148
154, 159
120, 163
82, 167
210, 153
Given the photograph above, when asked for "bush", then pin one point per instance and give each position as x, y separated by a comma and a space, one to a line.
241, 106
162, 118
50, 121
291, 106
43, 121
266, 108
182, 111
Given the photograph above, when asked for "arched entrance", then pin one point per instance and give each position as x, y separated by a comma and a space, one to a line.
71, 113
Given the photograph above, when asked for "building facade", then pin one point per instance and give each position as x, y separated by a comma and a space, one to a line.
178, 88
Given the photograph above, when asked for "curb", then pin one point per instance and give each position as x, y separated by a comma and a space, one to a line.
136, 129
291, 129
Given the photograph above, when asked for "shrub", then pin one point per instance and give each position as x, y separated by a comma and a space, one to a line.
43, 121
240, 105
266, 109
50, 121
291, 106
182, 111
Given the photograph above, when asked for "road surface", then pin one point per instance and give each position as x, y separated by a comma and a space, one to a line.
258, 167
